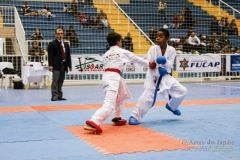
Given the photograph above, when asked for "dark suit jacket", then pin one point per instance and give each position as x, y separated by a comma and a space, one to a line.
55, 57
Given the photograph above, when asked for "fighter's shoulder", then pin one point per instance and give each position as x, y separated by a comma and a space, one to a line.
171, 48
152, 48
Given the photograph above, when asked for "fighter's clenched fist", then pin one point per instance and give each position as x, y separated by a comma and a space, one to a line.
152, 65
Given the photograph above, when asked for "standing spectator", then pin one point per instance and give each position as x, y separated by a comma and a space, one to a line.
188, 18
214, 26
103, 18
37, 35
35, 51
161, 9
221, 24
152, 34
72, 36
74, 8
25, 8
181, 18
128, 44
84, 3
232, 29
59, 60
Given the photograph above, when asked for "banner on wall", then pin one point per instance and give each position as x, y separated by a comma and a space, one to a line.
232, 63
87, 64
198, 63
93, 64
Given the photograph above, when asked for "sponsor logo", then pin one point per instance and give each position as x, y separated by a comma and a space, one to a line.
89, 64
184, 64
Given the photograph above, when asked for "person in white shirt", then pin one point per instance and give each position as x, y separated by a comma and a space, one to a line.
115, 88
194, 42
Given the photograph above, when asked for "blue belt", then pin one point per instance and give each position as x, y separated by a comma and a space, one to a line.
156, 90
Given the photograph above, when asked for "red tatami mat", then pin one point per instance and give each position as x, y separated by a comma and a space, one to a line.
128, 139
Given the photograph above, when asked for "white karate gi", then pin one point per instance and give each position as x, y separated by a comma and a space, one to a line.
168, 86
115, 88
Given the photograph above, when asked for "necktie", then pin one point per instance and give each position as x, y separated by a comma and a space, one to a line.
62, 51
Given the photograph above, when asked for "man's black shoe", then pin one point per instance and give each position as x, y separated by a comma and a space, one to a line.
55, 99
63, 99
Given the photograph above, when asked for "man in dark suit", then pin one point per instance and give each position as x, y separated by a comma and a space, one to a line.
59, 61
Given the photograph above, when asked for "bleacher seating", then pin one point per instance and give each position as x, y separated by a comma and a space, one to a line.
92, 41
233, 3
145, 14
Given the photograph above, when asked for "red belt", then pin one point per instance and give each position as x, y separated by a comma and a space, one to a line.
113, 70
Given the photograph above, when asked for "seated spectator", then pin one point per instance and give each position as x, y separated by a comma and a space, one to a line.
37, 35
97, 23
189, 32
216, 48
223, 40
203, 42
213, 39
72, 36
152, 34
82, 20
176, 21
186, 46
127, 42
66, 9
35, 52
210, 47
47, 8
232, 28
214, 26
25, 8
41, 12
227, 49
90, 21
161, 9
74, 8
195, 43
103, 18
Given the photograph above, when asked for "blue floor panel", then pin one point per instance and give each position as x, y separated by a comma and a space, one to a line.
41, 135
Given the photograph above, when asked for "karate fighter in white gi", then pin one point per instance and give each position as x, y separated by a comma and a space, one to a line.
115, 88
169, 86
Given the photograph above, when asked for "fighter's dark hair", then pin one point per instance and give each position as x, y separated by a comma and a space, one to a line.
113, 38
165, 31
